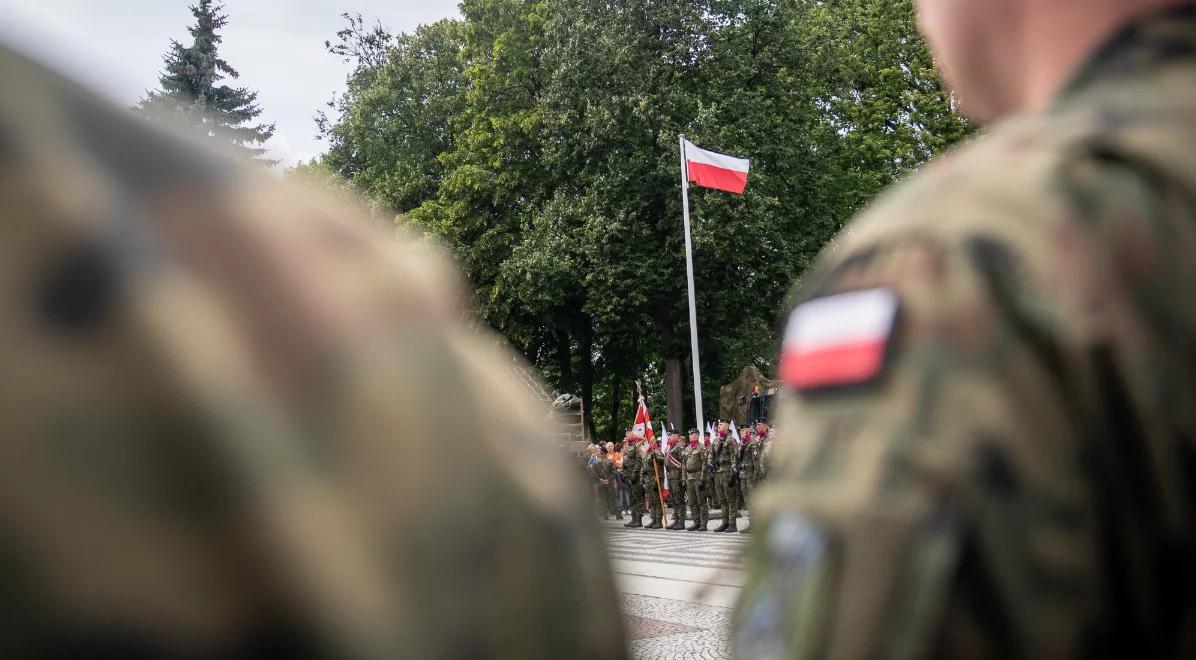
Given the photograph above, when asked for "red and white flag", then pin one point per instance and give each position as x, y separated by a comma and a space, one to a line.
838, 340
715, 170
643, 422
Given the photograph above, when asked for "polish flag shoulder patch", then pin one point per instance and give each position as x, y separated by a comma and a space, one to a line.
838, 340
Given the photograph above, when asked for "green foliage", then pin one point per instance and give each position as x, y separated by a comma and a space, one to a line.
190, 97
538, 139
395, 118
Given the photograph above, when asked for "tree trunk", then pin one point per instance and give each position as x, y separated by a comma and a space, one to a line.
672, 369
672, 391
564, 360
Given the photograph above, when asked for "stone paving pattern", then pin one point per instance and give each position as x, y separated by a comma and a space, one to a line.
704, 634
668, 628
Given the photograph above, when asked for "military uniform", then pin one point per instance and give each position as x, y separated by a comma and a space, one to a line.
749, 468
766, 452
711, 492
740, 449
211, 387
726, 471
676, 470
633, 462
694, 459
1007, 471
651, 475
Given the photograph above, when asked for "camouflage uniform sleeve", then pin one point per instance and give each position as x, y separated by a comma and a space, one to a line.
213, 447
968, 469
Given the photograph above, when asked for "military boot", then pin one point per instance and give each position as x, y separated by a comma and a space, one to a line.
722, 527
656, 525
677, 525
730, 528
636, 521
692, 528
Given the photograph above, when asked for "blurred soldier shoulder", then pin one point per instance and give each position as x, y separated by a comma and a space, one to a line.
239, 421
989, 394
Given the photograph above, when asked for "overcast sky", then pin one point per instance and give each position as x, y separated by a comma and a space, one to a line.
116, 46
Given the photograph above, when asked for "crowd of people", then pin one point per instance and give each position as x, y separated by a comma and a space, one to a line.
708, 472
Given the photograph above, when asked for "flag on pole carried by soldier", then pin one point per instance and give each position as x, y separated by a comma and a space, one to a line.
643, 422
664, 440
642, 426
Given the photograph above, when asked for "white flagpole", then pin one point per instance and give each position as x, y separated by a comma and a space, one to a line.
689, 271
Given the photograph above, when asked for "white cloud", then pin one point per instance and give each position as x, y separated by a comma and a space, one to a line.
115, 48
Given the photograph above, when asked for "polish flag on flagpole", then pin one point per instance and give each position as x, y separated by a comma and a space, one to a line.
714, 170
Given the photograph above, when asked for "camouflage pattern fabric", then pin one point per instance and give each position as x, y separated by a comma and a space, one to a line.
633, 462
694, 460
1018, 481
236, 421
725, 465
766, 450
677, 483
749, 468
651, 477
712, 501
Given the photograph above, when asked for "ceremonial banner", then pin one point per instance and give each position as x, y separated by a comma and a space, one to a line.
643, 422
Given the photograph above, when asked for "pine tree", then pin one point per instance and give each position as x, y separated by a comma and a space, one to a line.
190, 95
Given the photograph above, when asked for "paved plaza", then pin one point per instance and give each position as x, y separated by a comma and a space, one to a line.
677, 588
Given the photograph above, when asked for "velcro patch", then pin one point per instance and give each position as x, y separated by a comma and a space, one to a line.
838, 340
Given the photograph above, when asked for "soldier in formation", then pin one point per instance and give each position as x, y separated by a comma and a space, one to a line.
651, 476
694, 460
765, 434
633, 462
722, 428
989, 382
726, 477
750, 469
676, 471
712, 502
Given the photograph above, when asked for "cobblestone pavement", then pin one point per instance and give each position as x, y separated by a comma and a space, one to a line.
677, 589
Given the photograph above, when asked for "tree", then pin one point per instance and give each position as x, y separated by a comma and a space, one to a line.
191, 97
396, 116
539, 143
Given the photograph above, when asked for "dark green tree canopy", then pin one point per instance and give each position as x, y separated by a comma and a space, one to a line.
190, 94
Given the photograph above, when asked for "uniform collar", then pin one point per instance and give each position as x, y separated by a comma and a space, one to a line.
1147, 42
